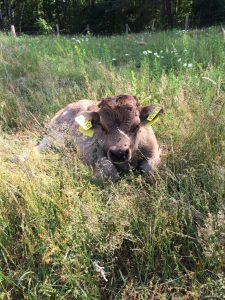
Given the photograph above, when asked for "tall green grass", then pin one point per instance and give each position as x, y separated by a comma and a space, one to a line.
65, 236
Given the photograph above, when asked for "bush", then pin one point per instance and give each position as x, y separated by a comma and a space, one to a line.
44, 27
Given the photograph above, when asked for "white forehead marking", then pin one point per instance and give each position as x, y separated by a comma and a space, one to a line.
123, 133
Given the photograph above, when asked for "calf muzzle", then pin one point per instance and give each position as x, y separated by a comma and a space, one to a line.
119, 155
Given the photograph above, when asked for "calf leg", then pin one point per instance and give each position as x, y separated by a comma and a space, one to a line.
150, 165
105, 170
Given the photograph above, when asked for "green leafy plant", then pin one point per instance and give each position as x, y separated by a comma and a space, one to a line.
44, 27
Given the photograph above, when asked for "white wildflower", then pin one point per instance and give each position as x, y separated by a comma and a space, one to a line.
149, 51
113, 58
155, 53
145, 52
185, 50
179, 60
126, 54
100, 270
186, 65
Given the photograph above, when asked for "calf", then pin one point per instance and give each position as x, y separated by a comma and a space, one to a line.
113, 134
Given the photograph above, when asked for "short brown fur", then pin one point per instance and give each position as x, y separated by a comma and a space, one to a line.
120, 141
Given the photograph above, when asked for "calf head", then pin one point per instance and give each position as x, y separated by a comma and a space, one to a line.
117, 121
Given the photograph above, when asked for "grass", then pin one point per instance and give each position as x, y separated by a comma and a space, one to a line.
62, 235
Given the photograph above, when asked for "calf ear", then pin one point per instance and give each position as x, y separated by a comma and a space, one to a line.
92, 118
88, 121
149, 114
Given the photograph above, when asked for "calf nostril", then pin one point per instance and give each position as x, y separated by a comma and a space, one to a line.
126, 152
119, 155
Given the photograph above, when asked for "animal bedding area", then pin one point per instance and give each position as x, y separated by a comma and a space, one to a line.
65, 235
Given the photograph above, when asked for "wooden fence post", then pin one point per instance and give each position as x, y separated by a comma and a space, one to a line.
223, 30
153, 25
13, 31
127, 29
186, 22
57, 29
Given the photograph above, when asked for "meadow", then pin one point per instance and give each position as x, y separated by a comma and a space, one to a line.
65, 236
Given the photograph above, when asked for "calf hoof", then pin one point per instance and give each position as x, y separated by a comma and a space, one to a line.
146, 168
106, 171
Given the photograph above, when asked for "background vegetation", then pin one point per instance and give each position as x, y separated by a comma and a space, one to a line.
65, 236
109, 16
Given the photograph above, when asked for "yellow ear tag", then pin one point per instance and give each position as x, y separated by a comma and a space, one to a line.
153, 116
89, 132
85, 126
